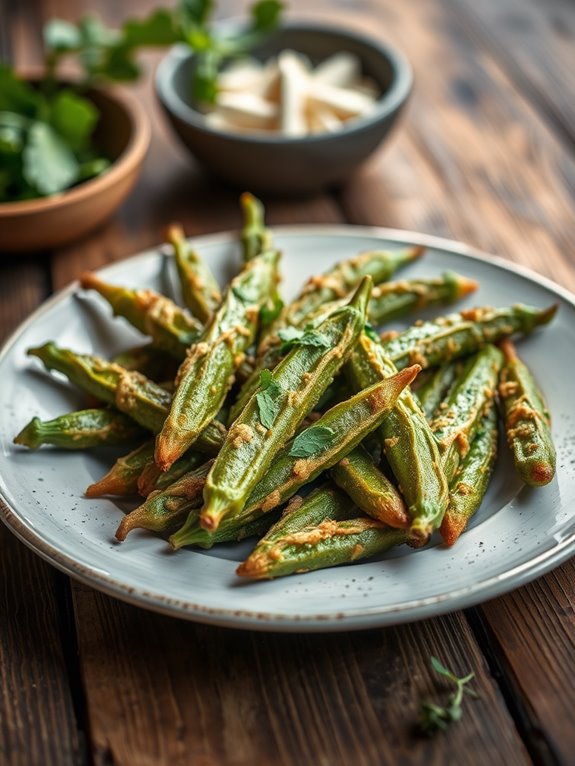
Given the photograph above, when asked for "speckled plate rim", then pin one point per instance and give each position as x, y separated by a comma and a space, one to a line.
350, 619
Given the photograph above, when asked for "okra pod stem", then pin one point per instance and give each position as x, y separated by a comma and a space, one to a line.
200, 290
527, 421
256, 238
370, 489
83, 429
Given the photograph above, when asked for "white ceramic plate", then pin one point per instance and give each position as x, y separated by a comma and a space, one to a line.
517, 535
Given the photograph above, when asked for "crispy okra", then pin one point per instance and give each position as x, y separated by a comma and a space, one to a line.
316, 533
200, 290
151, 478
469, 485
274, 413
370, 489
144, 401
410, 447
527, 421
122, 478
456, 424
449, 337
434, 390
83, 429
149, 361
170, 327
256, 238
208, 371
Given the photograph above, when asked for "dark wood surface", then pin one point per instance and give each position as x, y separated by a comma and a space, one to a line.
484, 155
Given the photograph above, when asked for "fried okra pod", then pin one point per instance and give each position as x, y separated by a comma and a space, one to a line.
200, 290
316, 533
449, 337
83, 429
274, 413
410, 446
144, 401
171, 328
527, 421
208, 371
122, 478
370, 489
456, 425
469, 485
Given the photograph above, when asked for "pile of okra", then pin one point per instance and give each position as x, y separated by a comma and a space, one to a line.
236, 403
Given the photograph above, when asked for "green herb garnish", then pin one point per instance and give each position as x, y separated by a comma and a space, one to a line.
267, 399
434, 717
292, 336
311, 441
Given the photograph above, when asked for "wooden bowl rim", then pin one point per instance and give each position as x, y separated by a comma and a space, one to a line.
127, 161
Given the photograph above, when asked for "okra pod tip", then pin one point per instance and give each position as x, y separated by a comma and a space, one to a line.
30, 435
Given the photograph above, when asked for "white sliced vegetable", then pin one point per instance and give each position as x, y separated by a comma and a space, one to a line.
245, 74
342, 70
248, 110
344, 102
322, 120
293, 86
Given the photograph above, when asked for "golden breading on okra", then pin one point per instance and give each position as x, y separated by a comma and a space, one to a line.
274, 413
527, 421
207, 373
122, 478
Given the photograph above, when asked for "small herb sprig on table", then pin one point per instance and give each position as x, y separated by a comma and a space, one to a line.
432, 717
47, 130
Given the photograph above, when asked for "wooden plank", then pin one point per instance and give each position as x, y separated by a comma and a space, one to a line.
35, 699
474, 160
533, 634
163, 691
535, 42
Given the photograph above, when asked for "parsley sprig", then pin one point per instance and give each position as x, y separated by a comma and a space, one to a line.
434, 717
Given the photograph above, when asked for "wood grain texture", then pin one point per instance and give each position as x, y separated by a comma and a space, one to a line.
37, 722
162, 691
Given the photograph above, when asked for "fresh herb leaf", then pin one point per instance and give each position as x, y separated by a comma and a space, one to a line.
311, 441
292, 337
434, 717
17, 95
73, 118
270, 311
196, 11
370, 332
48, 164
266, 14
267, 398
160, 28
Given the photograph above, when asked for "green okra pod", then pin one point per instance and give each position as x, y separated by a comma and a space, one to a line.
165, 510
410, 447
432, 393
469, 485
393, 300
256, 238
144, 401
440, 340
83, 429
274, 413
151, 478
456, 424
370, 489
527, 421
171, 328
208, 371
122, 478
316, 533
200, 290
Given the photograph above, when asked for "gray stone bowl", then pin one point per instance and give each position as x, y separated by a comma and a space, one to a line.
275, 164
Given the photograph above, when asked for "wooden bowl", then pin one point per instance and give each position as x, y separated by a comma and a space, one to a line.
123, 135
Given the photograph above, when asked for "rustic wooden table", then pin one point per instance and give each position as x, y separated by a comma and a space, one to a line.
484, 155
